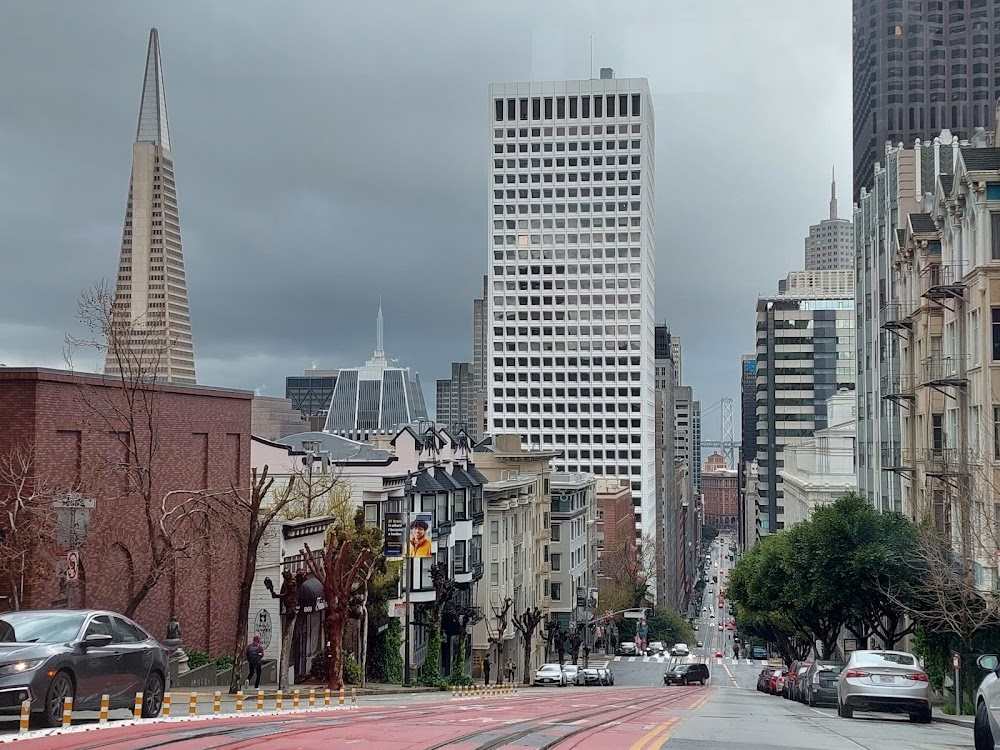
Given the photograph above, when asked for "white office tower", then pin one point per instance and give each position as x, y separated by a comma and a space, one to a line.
570, 361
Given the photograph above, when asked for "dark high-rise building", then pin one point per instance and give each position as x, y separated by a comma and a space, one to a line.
920, 66
311, 392
748, 404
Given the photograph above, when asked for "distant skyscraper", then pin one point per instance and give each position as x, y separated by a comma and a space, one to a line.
920, 67
455, 401
480, 340
375, 399
570, 356
830, 244
151, 299
748, 402
696, 446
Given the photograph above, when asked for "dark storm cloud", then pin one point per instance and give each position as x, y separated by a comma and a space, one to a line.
329, 153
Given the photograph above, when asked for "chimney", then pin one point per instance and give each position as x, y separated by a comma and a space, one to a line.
607, 73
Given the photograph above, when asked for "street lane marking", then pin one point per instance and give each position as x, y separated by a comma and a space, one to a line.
657, 732
730, 675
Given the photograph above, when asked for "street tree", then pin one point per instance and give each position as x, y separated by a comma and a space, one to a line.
288, 596
444, 590
527, 623
466, 615
28, 521
251, 511
501, 620
348, 556
125, 406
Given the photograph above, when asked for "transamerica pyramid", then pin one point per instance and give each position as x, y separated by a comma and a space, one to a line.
150, 335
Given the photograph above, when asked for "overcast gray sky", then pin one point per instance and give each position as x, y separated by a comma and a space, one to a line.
330, 152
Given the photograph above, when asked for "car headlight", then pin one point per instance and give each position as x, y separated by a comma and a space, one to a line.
6, 670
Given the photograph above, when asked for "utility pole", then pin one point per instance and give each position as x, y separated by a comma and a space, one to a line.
408, 572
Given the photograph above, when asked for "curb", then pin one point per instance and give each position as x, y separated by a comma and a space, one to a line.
958, 721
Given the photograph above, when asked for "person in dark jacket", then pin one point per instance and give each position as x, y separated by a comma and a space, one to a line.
486, 670
255, 656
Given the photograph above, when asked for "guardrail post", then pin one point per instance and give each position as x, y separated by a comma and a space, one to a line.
341, 697
312, 697
105, 702
137, 709
239, 701
217, 707
26, 716
67, 711
326, 697
260, 700
277, 701
193, 705
166, 705
295, 699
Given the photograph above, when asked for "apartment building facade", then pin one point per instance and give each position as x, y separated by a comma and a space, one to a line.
572, 545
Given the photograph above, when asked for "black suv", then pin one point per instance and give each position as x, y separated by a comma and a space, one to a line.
685, 674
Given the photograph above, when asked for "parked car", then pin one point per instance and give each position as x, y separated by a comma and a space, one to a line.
49, 655
758, 652
699, 644
550, 674
656, 647
685, 674
680, 649
721, 626
777, 680
889, 681
764, 679
588, 676
795, 673
987, 725
571, 671
819, 686
627, 648
607, 676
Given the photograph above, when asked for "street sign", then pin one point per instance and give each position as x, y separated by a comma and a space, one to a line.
635, 614
72, 565
955, 660
74, 500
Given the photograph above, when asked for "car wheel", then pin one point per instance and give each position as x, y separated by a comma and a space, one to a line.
703, 681
60, 688
981, 732
152, 696
845, 711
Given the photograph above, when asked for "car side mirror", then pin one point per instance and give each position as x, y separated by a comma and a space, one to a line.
96, 640
989, 662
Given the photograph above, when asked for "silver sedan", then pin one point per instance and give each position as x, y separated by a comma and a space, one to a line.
890, 681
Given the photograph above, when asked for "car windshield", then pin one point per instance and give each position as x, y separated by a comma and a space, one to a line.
549, 668
884, 659
831, 667
681, 668
40, 627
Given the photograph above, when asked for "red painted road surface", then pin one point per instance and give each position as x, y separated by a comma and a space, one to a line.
568, 719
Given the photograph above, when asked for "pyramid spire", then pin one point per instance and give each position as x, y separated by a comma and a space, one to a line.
379, 342
833, 193
153, 108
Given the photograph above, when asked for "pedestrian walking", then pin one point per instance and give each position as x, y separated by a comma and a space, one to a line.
255, 656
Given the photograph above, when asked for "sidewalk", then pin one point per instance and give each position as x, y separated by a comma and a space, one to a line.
961, 721
271, 690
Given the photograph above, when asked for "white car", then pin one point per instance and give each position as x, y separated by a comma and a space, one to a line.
680, 649
570, 671
987, 726
550, 674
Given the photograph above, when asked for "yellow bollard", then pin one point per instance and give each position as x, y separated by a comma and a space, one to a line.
105, 702
260, 700
193, 705
67, 711
295, 699
166, 706
312, 697
218, 702
239, 701
25, 716
277, 701
326, 697
341, 697
354, 698
137, 709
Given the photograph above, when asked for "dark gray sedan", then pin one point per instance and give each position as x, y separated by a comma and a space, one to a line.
48, 655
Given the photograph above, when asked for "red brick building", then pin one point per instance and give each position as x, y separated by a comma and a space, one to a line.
201, 435
615, 525
720, 490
